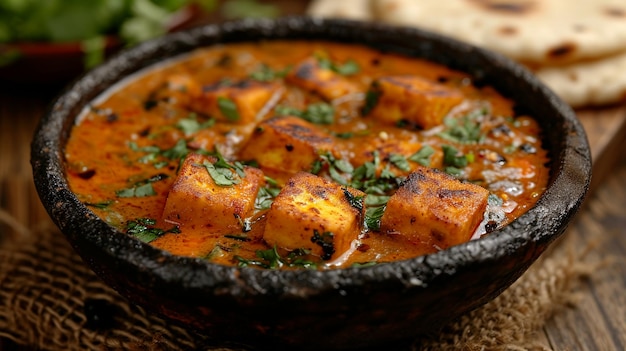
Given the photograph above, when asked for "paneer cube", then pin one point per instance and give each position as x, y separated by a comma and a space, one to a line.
330, 85
209, 195
240, 103
286, 143
434, 210
411, 99
315, 214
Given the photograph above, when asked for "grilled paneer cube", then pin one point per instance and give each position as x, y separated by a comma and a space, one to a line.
286, 143
211, 194
239, 102
411, 99
434, 210
315, 214
310, 76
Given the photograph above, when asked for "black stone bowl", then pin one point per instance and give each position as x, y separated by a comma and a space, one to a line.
308, 309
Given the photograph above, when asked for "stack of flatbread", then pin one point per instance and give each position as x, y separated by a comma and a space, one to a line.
577, 47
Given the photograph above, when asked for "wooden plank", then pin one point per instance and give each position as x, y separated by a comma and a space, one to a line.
598, 321
606, 132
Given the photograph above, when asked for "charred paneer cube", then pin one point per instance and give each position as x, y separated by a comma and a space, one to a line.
239, 102
213, 194
410, 99
286, 143
310, 76
315, 214
434, 210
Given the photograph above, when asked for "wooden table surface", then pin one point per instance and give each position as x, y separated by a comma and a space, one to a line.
597, 322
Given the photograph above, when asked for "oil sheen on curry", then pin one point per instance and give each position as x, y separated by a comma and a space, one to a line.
304, 154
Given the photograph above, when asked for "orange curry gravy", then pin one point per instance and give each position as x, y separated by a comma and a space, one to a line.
127, 147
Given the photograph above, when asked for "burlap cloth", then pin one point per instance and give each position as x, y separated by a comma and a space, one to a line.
50, 300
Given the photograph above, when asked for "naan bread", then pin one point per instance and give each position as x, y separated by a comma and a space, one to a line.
576, 47
593, 83
350, 9
536, 32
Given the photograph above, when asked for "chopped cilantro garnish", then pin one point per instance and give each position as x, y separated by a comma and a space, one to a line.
347, 68
355, 201
266, 73
155, 154
228, 108
191, 124
423, 155
221, 175
266, 194
144, 230
376, 200
178, 151
139, 191
400, 162
464, 129
317, 113
142, 188
271, 259
339, 170
373, 216
453, 171
452, 157
364, 178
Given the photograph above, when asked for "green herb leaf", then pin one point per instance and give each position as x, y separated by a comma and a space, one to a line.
271, 259
422, 157
191, 125
376, 200
228, 108
155, 154
144, 230
266, 73
453, 171
464, 129
373, 216
347, 68
317, 113
452, 157
400, 162
222, 176
355, 202
266, 195
142, 188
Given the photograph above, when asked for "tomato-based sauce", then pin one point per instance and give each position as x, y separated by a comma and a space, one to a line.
304, 154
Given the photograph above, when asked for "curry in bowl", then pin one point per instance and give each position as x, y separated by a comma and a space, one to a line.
304, 154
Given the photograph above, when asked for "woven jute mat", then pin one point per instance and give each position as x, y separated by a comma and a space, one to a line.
49, 300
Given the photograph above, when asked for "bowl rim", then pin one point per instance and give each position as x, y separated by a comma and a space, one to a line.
559, 202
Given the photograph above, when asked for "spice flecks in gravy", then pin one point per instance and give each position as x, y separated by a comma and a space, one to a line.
292, 154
